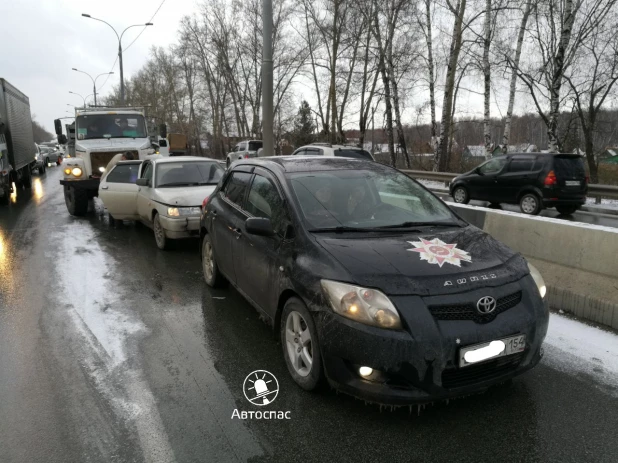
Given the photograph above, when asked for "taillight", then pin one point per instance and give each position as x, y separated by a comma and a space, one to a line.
246, 156
551, 179
205, 202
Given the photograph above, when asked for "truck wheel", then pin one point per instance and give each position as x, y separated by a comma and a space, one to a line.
6, 196
27, 179
76, 200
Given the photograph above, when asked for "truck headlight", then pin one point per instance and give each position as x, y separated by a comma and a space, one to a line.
538, 279
183, 211
364, 305
77, 172
67, 171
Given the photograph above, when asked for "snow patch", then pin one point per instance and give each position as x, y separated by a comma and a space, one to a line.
572, 346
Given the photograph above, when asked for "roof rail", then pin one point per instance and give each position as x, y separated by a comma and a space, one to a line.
321, 144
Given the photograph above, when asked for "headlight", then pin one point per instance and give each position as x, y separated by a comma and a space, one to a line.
538, 279
77, 172
67, 171
101, 169
363, 305
183, 211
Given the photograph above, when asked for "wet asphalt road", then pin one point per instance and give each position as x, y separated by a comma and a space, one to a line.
113, 351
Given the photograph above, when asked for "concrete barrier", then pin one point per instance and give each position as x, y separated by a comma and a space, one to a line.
579, 262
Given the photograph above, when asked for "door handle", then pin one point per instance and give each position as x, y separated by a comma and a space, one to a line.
104, 187
238, 233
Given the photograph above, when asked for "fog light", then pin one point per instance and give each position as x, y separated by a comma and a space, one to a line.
365, 371
67, 171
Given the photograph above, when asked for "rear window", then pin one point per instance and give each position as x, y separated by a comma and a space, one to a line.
123, 173
569, 166
254, 145
349, 153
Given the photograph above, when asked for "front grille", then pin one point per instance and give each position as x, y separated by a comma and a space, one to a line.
466, 376
102, 158
467, 310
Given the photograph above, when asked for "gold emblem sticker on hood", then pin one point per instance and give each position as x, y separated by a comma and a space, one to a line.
438, 252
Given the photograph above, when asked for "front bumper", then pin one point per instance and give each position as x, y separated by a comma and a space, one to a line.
82, 184
180, 227
420, 364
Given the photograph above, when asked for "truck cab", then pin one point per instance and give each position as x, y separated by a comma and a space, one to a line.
100, 134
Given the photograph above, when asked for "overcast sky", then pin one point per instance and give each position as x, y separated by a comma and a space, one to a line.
43, 39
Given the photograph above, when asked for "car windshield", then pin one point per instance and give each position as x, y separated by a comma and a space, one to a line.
366, 198
110, 126
188, 173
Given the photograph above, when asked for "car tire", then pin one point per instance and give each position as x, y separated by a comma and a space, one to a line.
461, 195
530, 204
566, 210
76, 200
27, 181
159, 232
212, 275
300, 344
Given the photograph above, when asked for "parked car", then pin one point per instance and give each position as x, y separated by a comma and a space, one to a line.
244, 150
41, 159
532, 180
371, 281
164, 193
326, 149
54, 152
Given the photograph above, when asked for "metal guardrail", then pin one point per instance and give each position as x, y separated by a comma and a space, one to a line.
594, 190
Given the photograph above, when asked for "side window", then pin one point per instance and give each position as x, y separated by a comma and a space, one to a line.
494, 166
236, 186
520, 165
298, 152
147, 171
163, 143
313, 152
264, 201
125, 173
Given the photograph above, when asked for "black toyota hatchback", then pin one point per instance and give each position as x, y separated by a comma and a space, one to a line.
532, 180
370, 281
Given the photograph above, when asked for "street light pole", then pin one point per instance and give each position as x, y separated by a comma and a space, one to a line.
119, 37
267, 78
84, 99
94, 83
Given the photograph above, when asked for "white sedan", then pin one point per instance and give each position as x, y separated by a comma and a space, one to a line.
164, 193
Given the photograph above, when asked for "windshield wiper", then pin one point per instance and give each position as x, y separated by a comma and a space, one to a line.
422, 224
343, 229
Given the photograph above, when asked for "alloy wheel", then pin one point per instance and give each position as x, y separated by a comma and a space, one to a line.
208, 261
460, 195
529, 204
298, 343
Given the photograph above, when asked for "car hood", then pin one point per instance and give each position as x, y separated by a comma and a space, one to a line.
104, 144
183, 196
429, 263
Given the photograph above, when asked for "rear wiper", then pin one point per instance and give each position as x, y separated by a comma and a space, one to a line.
423, 224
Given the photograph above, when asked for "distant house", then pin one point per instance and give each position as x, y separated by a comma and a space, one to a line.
609, 156
473, 152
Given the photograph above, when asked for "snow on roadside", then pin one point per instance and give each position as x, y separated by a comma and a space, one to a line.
432, 184
574, 347
611, 203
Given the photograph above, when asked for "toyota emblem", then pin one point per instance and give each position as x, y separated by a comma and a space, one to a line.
486, 305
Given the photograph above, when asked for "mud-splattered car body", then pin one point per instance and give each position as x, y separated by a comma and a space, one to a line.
435, 276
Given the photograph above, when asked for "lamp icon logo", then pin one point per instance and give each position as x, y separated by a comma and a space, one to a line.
261, 387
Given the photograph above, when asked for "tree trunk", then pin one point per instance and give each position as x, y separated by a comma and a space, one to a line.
487, 81
509, 113
432, 93
442, 153
557, 76
401, 141
333, 70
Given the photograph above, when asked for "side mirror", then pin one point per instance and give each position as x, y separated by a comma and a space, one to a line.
259, 226
143, 182
58, 127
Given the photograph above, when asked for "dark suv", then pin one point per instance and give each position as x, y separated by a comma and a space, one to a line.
532, 180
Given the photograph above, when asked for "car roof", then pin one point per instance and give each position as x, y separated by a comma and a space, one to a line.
328, 145
166, 159
310, 163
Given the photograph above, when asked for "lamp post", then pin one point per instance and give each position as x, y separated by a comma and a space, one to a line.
119, 37
84, 99
94, 83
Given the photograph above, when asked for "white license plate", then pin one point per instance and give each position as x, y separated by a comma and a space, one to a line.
477, 353
572, 183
